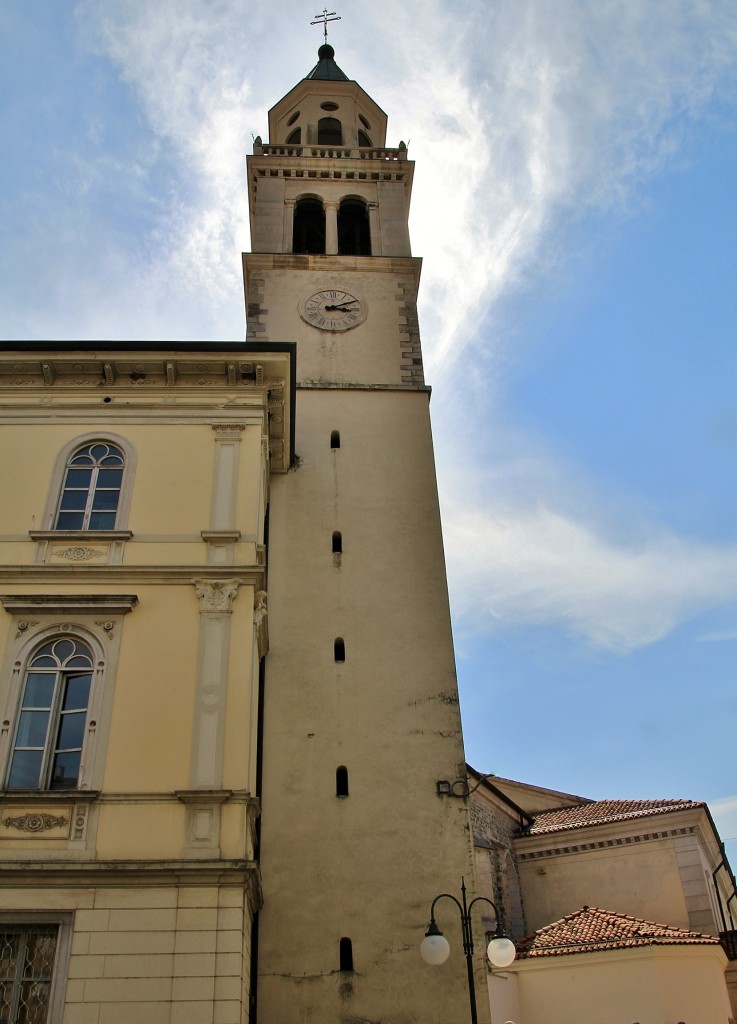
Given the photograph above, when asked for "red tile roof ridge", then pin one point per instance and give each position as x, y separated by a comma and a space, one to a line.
599, 812
592, 929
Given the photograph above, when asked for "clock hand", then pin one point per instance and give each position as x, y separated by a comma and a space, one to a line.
342, 305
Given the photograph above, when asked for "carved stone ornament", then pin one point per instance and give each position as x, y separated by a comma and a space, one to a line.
261, 624
36, 822
216, 595
25, 624
107, 624
78, 554
228, 431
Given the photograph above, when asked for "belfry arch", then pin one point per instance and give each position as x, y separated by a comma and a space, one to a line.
354, 235
308, 234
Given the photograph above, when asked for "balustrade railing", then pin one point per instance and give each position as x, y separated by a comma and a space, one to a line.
331, 152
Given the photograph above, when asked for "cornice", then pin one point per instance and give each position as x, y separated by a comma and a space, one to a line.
252, 575
134, 379
564, 847
411, 265
51, 873
28, 604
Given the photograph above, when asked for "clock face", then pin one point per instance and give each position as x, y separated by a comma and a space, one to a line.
332, 310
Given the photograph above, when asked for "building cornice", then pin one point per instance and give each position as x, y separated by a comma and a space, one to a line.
563, 847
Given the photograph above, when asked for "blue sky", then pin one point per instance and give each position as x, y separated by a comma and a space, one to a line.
574, 206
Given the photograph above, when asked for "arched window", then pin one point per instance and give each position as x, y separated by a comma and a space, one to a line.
341, 781
90, 492
354, 237
363, 140
329, 132
295, 138
335, 439
309, 227
47, 747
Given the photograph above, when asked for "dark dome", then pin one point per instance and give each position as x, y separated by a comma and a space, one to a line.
326, 52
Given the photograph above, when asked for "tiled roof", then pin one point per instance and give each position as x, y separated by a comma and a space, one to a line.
599, 812
591, 929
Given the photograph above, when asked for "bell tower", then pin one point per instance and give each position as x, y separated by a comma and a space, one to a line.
360, 706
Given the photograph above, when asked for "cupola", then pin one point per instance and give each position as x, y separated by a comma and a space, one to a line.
327, 109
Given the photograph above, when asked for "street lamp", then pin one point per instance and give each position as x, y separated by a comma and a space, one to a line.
435, 948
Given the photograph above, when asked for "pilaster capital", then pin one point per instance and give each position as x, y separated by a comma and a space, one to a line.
228, 431
217, 595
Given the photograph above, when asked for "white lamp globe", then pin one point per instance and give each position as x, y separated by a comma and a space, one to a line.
434, 949
501, 952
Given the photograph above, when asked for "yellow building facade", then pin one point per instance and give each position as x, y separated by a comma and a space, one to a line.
227, 678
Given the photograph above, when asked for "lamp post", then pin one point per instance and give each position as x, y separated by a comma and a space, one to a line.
435, 948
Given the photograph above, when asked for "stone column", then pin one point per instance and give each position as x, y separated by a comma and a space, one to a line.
222, 533
331, 229
374, 229
208, 734
289, 205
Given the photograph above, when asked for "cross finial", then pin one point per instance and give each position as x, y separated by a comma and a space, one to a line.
324, 18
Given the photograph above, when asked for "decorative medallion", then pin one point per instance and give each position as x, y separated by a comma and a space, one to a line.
78, 554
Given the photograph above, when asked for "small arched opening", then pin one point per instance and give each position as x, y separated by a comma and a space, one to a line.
309, 227
346, 954
354, 236
341, 781
329, 132
364, 141
295, 137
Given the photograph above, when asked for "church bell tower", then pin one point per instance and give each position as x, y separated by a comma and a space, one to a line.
360, 707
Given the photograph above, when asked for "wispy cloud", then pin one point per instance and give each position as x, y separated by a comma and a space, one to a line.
527, 114
530, 542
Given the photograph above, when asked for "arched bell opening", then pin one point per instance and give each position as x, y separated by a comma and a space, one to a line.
295, 138
308, 235
329, 132
354, 236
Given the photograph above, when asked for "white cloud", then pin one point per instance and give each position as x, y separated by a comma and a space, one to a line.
529, 544
532, 113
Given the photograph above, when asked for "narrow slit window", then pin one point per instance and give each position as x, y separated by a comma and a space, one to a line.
337, 543
335, 439
341, 781
339, 649
346, 955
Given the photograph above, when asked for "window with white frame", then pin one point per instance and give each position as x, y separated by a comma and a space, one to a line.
27, 959
50, 730
90, 492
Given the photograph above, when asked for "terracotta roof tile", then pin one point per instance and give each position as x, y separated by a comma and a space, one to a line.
591, 929
599, 812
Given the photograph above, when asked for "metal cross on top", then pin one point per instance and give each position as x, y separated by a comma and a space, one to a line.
324, 18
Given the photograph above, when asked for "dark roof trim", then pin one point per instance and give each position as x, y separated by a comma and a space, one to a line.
522, 814
148, 346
